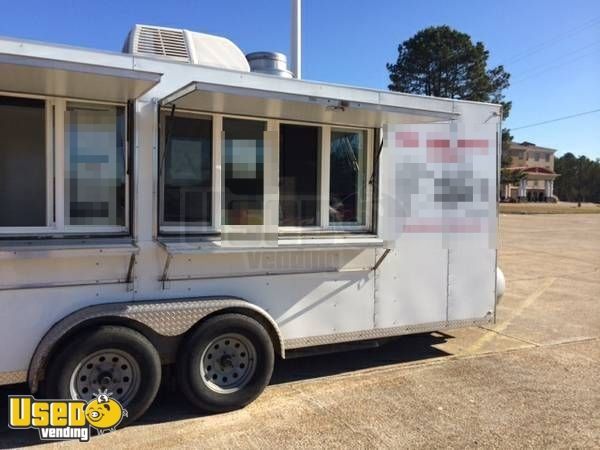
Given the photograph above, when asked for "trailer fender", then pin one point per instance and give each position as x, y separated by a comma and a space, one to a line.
167, 318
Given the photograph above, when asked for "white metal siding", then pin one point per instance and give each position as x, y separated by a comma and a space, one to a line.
411, 285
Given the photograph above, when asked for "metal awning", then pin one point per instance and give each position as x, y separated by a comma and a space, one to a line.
31, 75
346, 107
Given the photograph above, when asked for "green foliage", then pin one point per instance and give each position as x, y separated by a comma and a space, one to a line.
507, 138
443, 62
579, 179
508, 176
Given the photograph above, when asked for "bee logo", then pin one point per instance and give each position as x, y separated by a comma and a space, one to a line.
104, 413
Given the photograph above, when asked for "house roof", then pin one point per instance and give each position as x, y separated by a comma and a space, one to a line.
530, 169
530, 146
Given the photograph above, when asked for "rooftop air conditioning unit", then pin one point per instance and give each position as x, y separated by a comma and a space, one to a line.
185, 46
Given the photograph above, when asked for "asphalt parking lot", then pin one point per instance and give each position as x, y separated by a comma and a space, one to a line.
531, 380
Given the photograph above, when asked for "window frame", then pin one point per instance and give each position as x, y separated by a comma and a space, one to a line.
181, 227
271, 189
268, 160
321, 171
323, 225
49, 151
55, 110
366, 186
95, 228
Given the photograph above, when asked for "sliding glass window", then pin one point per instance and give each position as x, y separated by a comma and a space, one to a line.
186, 170
347, 179
243, 182
218, 172
95, 165
23, 181
298, 175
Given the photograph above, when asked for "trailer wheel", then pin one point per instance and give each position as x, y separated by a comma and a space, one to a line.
115, 358
226, 363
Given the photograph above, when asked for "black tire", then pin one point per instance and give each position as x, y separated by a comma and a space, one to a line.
62, 367
189, 371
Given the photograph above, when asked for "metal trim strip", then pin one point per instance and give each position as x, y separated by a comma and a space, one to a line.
376, 333
65, 251
44, 63
264, 274
62, 284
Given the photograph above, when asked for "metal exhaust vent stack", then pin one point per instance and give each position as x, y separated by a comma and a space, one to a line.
272, 63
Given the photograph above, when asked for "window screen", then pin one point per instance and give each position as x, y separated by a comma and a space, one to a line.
244, 172
94, 165
298, 175
347, 177
22, 162
187, 171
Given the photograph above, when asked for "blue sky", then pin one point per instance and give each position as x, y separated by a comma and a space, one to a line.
551, 48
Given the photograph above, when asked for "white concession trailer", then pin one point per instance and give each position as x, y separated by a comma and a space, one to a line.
176, 205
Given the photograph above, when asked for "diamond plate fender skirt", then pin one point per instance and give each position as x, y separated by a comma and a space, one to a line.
167, 318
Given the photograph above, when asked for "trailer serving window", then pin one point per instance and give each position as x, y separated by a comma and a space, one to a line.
243, 180
23, 163
63, 166
186, 170
299, 154
309, 177
347, 177
95, 182
324, 178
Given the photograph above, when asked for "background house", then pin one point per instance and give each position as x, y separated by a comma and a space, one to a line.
536, 164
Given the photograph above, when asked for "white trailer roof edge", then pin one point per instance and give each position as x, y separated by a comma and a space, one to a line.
112, 60
31, 47
41, 76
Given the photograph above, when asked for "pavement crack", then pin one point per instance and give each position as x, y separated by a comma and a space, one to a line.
500, 333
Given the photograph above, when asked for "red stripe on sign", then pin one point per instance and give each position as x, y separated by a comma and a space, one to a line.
471, 143
442, 155
438, 143
407, 139
422, 229
474, 228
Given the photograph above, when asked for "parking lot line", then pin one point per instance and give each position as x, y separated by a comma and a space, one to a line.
501, 327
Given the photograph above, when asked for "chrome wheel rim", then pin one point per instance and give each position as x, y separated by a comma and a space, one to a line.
228, 363
113, 370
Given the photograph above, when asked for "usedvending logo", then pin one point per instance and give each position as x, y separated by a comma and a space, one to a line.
66, 419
